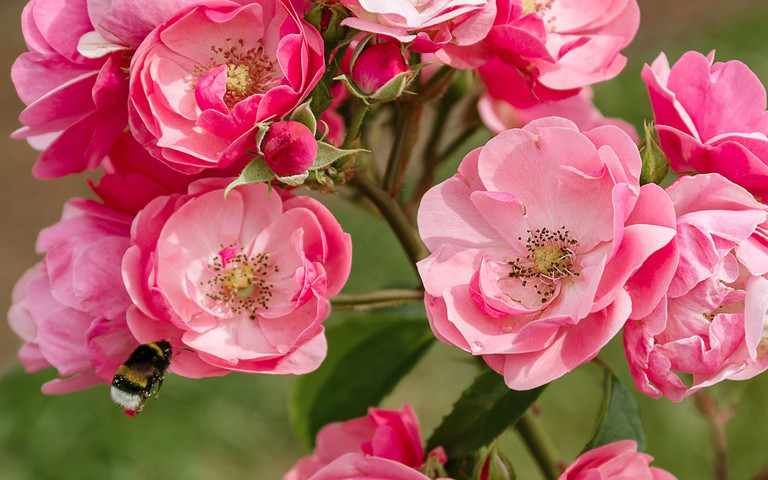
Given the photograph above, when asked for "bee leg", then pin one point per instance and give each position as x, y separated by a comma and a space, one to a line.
159, 386
144, 397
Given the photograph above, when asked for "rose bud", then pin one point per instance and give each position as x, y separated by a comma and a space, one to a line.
377, 65
289, 148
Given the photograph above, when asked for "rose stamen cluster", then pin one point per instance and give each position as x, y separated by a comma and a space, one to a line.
239, 282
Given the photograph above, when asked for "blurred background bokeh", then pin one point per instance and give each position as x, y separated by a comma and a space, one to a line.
237, 427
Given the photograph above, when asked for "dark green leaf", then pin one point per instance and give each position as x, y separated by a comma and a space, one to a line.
366, 358
327, 154
619, 417
482, 413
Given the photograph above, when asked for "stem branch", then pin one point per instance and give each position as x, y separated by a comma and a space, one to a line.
392, 213
377, 299
354, 126
540, 445
718, 419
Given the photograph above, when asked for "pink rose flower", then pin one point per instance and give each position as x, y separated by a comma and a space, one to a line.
712, 322
711, 118
539, 248
358, 466
615, 461
499, 115
430, 25
289, 148
195, 105
75, 105
383, 433
70, 309
239, 283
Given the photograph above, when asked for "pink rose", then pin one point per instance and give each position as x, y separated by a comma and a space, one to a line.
376, 65
712, 321
383, 433
615, 461
195, 105
711, 118
70, 309
241, 283
499, 115
539, 245
357, 466
75, 105
430, 25
289, 148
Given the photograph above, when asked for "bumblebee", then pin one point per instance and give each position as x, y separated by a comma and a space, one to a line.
134, 380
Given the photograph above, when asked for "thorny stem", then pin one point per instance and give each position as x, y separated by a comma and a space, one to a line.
394, 215
718, 419
406, 134
377, 299
540, 445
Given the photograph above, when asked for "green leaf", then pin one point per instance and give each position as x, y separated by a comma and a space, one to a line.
619, 417
482, 413
327, 154
255, 172
366, 358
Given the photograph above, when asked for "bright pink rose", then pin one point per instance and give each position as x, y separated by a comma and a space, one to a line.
70, 309
615, 461
711, 118
289, 148
499, 115
195, 105
712, 322
540, 247
383, 433
76, 106
358, 466
376, 65
240, 283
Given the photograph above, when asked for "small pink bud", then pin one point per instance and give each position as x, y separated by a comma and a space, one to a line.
377, 65
289, 148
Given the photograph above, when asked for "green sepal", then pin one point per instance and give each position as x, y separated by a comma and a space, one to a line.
257, 171
294, 180
327, 154
303, 114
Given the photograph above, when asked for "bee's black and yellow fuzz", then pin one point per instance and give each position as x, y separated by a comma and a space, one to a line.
133, 381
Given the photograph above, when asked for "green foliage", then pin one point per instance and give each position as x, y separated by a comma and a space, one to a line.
619, 417
366, 358
482, 413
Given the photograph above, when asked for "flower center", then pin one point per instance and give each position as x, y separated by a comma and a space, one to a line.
550, 258
239, 284
542, 9
249, 71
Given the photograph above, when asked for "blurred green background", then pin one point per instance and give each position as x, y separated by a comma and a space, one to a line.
237, 426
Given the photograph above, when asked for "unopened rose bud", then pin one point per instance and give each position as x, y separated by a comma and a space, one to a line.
326, 17
289, 148
493, 465
655, 162
377, 65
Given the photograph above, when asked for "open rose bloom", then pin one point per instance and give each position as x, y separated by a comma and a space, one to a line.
70, 309
533, 243
615, 461
712, 321
711, 118
241, 283
201, 81
385, 444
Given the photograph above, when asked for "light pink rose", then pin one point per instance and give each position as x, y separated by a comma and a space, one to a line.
711, 118
540, 247
195, 105
615, 461
76, 106
712, 322
239, 283
358, 466
70, 309
500, 115
383, 433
